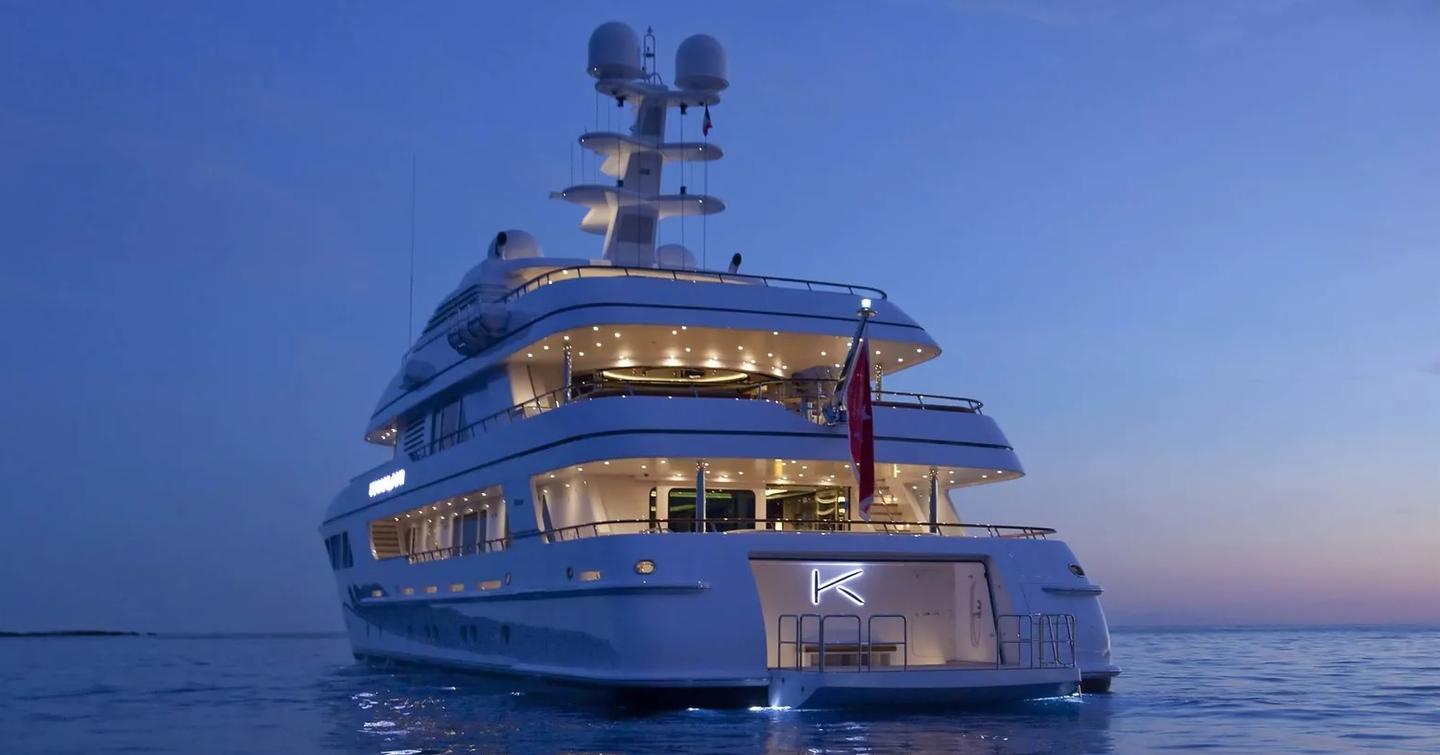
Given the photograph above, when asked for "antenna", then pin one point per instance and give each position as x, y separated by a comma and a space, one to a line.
410, 306
647, 59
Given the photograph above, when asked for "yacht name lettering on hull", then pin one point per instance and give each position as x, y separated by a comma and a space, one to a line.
837, 584
387, 483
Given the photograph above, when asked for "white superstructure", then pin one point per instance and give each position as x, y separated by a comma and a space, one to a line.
554, 421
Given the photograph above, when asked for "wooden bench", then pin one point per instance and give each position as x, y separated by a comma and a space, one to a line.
851, 653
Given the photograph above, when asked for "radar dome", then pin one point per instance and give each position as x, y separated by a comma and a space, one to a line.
514, 245
675, 257
615, 52
700, 64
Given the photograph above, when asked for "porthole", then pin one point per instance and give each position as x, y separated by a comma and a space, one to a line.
644, 566
1076, 570
569, 572
507, 577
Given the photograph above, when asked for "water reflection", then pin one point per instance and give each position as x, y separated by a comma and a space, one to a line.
424, 711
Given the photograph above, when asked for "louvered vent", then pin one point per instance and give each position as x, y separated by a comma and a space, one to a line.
414, 439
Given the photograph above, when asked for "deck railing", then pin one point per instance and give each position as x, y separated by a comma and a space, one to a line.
743, 526
733, 526
1022, 641
456, 307
804, 396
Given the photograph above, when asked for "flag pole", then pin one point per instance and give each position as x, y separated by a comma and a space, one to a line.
836, 404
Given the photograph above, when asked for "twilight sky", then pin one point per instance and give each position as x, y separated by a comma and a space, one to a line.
1188, 255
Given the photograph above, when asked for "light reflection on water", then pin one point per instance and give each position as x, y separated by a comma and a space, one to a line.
1233, 690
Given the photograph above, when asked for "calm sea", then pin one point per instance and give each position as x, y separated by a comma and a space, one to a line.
1256, 690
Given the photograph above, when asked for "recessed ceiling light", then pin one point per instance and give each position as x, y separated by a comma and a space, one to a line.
595, 327
617, 334
822, 354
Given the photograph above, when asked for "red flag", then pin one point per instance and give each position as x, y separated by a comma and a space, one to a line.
862, 427
705, 125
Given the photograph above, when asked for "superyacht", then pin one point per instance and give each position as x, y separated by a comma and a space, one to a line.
690, 485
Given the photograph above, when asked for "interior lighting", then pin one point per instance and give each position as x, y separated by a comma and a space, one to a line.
595, 327
822, 354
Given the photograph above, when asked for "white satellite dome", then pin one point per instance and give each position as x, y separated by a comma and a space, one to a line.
514, 245
700, 64
675, 257
614, 52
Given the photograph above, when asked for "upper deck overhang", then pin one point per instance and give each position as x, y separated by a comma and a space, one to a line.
670, 301
657, 426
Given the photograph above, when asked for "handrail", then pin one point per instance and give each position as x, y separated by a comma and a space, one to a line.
1036, 632
674, 526
440, 554
822, 526
691, 276
904, 642
864, 640
805, 394
453, 307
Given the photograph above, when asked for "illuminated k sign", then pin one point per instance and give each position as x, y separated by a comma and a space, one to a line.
837, 584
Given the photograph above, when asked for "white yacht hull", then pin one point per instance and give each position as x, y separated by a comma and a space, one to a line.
697, 623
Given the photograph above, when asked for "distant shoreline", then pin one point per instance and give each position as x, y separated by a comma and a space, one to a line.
77, 633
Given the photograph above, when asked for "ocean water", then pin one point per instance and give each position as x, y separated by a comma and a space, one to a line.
1228, 690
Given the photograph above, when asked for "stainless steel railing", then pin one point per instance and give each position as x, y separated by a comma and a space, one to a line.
1039, 640
804, 396
863, 647
1022, 641
455, 308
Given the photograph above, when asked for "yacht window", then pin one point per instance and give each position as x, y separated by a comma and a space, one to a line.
447, 424
808, 508
719, 506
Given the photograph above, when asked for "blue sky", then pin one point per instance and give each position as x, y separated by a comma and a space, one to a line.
1186, 253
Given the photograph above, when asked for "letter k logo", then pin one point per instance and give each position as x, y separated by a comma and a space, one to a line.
838, 584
